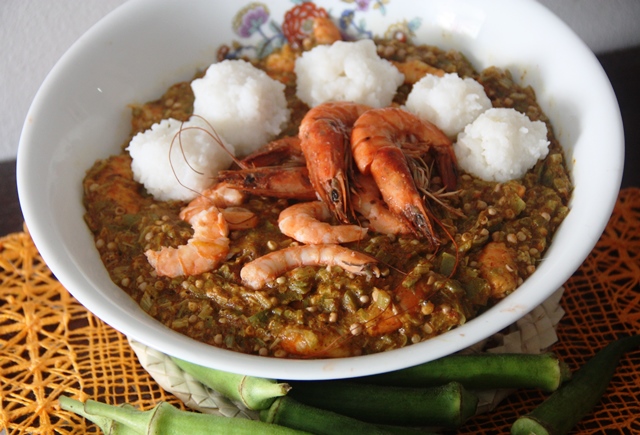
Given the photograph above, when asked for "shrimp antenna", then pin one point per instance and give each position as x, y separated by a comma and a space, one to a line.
391, 266
422, 175
213, 134
184, 157
453, 242
173, 169
216, 137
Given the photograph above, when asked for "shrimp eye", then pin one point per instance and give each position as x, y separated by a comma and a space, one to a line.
420, 221
335, 195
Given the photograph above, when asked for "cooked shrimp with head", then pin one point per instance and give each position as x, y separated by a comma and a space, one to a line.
380, 142
307, 223
325, 141
257, 273
274, 181
277, 170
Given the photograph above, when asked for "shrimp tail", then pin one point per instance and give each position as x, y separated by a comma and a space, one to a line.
382, 140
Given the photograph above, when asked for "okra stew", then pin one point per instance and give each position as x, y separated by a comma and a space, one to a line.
384, 291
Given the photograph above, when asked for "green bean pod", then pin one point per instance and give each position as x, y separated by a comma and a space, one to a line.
165, 419
482, 371
570, 403
448, 405
254, 393
289, 412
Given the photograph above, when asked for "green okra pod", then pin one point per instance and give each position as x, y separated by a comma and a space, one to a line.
570, 403
448, 405
108, 426
254, 393
165, 419
482, 371
289, 412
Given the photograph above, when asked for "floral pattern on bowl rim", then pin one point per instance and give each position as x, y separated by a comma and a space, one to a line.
260, 33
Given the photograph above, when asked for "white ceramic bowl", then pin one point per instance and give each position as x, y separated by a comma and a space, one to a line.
80, 114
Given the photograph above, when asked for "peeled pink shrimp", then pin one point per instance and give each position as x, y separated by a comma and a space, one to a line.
219, 195
267, 268
306, 223
209, 244
203, 252
227, 199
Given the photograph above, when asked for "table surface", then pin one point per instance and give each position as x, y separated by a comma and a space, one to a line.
622, 67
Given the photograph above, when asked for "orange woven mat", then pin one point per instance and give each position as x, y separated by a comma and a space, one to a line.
51, 345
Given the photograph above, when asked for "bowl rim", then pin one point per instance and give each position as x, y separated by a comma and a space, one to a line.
511, 308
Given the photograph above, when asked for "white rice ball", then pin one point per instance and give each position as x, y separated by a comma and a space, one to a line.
154, 167
449, 102
244, 105
346, 71
501, 145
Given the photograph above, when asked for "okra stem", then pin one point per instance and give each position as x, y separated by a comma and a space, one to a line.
288, 412
254, 393
164, 419
570, 403
107, 425
448, 405
482, 371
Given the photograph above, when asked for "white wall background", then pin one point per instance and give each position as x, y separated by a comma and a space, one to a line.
34, 34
